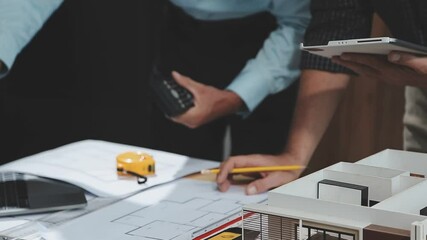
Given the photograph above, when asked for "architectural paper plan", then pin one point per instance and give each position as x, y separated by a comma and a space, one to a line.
91, 164
172, 211
31, 227
8, 223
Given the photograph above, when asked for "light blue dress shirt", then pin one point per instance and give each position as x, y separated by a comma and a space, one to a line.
276, 65
274, 68
19, 22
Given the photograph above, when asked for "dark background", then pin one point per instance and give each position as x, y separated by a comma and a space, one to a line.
84, 75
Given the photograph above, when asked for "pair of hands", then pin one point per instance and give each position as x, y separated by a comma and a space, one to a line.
397, 68
211, 103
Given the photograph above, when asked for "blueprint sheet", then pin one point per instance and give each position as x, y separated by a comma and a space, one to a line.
91, 164
32, 226
176, 210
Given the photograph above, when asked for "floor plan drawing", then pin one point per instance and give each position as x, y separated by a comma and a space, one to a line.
178, 210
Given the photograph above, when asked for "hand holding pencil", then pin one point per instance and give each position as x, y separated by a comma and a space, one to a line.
274, 171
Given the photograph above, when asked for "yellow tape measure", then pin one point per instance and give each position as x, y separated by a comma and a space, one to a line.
137, 164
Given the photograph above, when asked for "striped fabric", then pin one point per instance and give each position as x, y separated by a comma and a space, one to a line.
346, 19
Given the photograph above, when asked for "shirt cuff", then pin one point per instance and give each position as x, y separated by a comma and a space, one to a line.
3, 69
253, 85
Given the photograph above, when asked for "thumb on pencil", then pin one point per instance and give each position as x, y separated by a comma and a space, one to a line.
271, 180
261, 185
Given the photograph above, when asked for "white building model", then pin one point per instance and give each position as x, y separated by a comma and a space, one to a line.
382, 197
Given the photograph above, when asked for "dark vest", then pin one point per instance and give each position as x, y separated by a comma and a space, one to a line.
406, 19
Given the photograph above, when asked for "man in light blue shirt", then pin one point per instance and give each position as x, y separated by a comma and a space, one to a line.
273, 69
276, 65
235, 56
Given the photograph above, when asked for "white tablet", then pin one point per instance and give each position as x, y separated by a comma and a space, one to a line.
382, 45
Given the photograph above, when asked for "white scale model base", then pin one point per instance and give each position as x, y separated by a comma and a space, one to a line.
381, 197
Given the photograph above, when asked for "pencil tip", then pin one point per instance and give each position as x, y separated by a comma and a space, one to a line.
205, 171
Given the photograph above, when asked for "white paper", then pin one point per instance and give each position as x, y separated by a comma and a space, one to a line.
91, 164
172, 211
8, 223
33, 226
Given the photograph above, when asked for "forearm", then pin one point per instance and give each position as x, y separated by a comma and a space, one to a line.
227, 104
319, 95
322, 89
276, 65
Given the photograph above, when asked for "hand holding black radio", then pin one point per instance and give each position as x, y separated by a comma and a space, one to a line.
191, 103
210, 102
171, 98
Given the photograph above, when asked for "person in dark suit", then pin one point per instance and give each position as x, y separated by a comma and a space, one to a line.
323, 81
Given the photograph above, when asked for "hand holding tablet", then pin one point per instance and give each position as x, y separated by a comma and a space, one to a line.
382, 46
385, 59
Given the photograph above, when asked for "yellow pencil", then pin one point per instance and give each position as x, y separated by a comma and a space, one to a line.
256, 169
